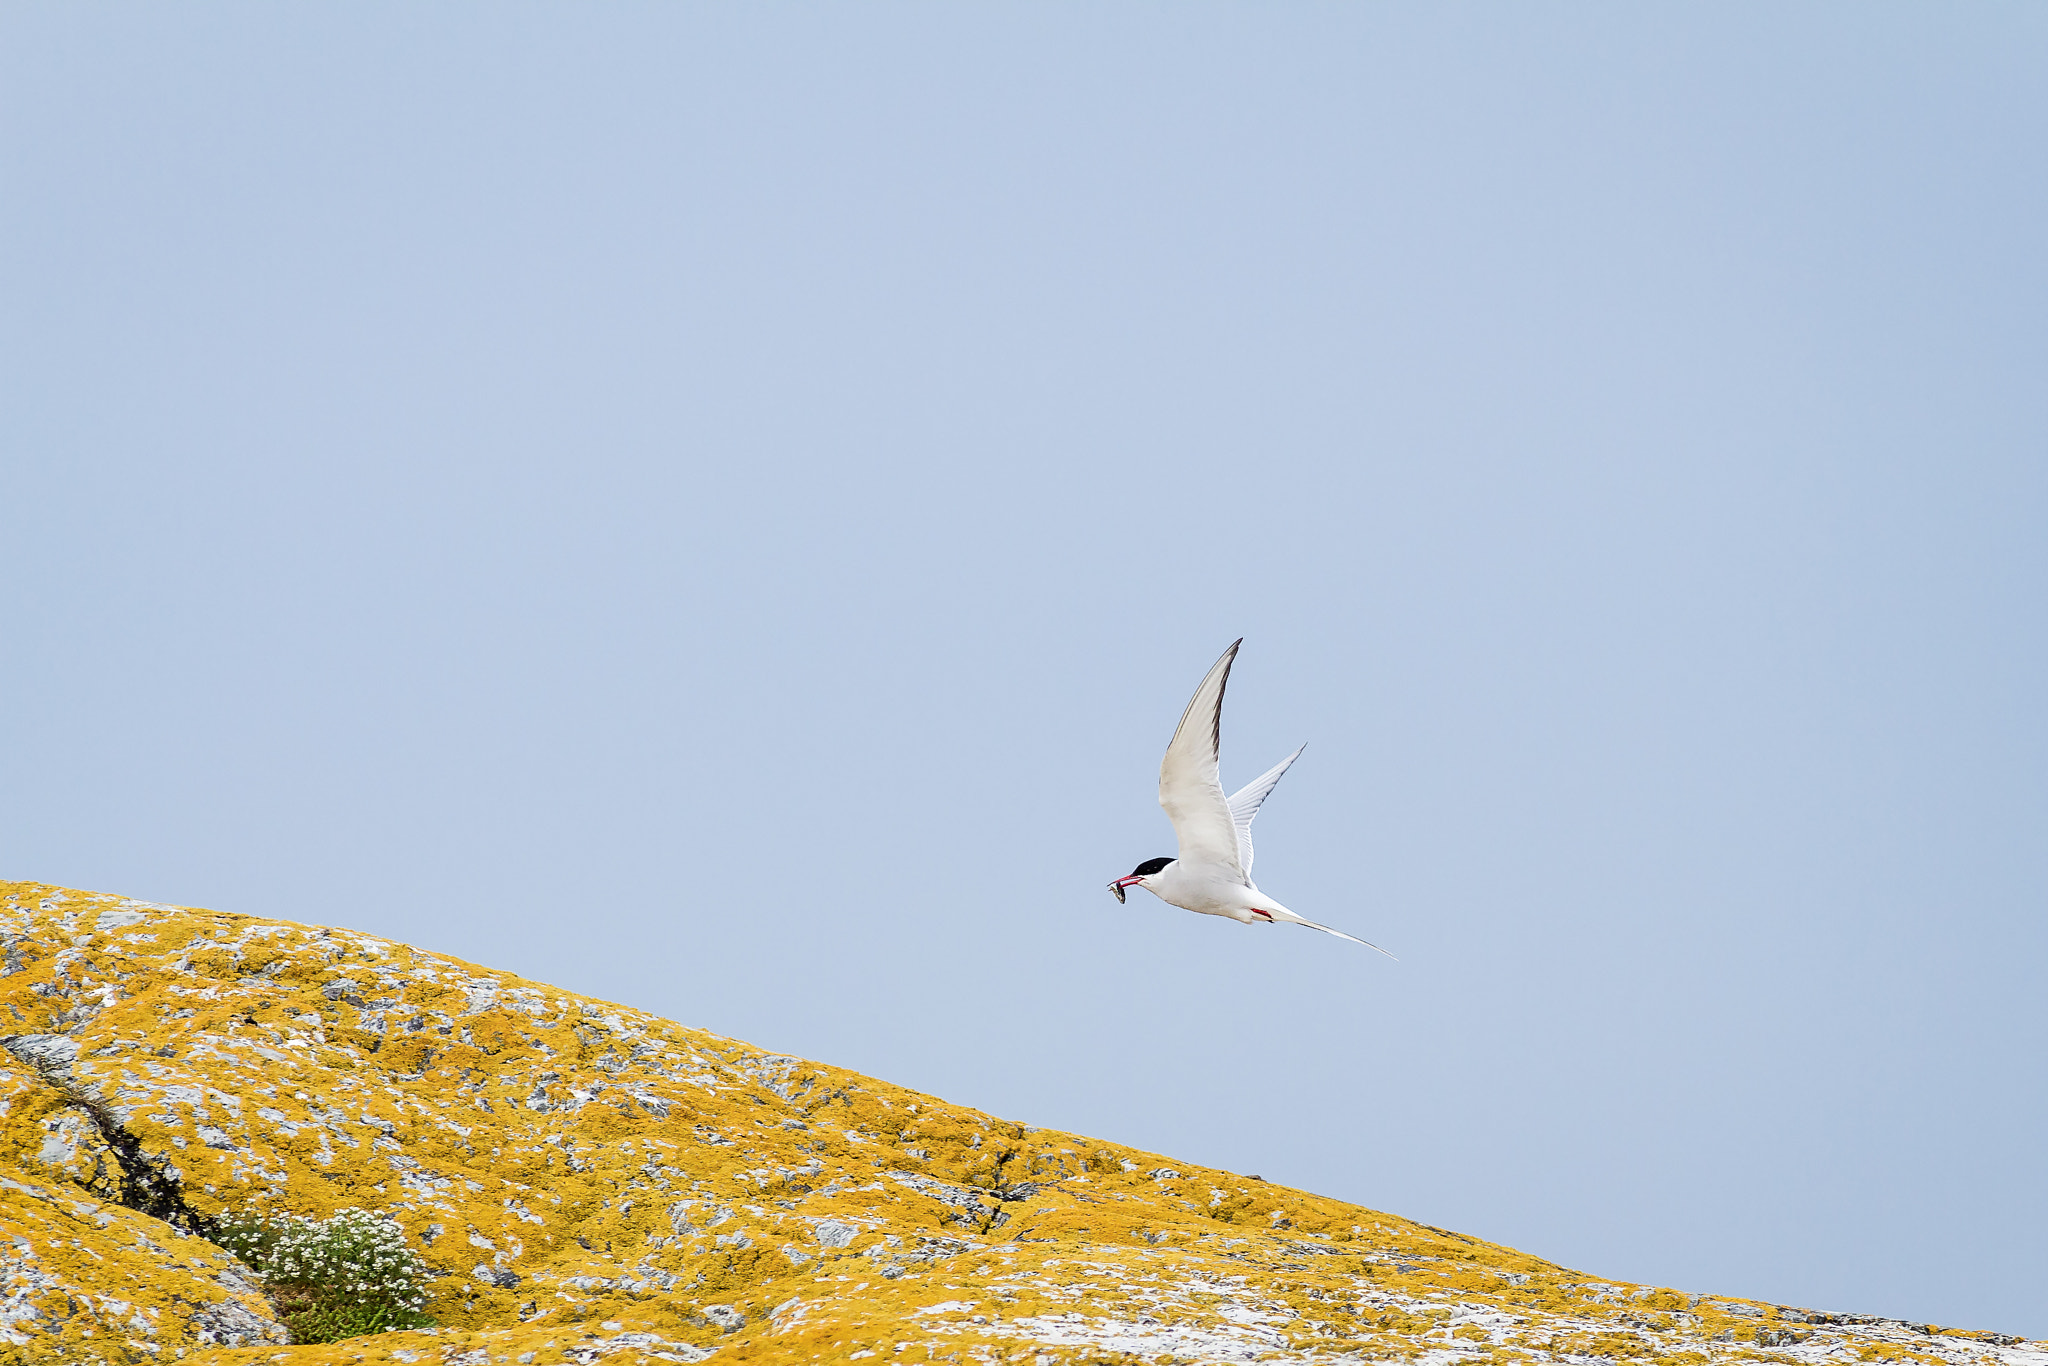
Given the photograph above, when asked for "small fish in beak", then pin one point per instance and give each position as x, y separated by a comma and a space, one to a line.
1117, 888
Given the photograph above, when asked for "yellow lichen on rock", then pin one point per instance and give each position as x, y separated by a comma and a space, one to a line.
592, 1183
87, 1280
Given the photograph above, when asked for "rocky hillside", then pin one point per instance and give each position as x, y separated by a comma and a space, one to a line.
595, 1184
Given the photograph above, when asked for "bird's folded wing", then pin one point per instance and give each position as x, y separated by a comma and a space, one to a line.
1244, 804
1189, 788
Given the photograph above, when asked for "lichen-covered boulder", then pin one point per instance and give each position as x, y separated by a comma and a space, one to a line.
87, 1281
591, 1183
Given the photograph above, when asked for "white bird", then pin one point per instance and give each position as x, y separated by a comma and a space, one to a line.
1212, 874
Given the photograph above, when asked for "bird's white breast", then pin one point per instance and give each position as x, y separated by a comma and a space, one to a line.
1205, 890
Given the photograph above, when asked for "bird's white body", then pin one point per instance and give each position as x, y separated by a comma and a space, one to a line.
1211, 875
1208, 890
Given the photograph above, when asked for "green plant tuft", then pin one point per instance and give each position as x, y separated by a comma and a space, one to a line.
314, 1315
345, 1276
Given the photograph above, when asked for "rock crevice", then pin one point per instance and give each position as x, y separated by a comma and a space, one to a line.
145, 1183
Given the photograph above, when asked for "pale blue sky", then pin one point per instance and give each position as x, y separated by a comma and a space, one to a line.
721, 508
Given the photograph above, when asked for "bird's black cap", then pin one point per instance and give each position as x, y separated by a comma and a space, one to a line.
1149, 867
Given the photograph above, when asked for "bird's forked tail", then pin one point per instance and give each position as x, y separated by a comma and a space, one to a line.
1341, 935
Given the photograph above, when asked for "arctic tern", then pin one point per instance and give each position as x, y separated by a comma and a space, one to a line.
1212, 873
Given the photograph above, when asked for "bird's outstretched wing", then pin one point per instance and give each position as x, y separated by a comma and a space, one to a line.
1244, 804
1188, 786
